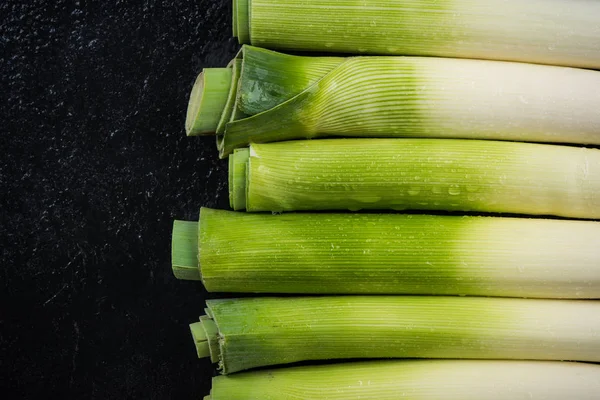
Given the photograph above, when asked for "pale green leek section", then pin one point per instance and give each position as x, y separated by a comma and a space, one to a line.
560, 32
417, 380
398, 254
207, 101
424, 174
184, 250
255, 332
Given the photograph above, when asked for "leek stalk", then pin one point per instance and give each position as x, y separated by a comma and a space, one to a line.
389, 254
256, 332
557, 32
292, 98
423, 174
274, 97
416, 380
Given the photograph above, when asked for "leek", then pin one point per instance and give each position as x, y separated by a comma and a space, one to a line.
305, 97
389, 254
424, 174
416, 379
557, 32
255, 332
274, 97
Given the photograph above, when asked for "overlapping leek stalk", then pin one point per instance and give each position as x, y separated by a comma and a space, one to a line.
254, 332
274, 97
389, 254
557, 32
423, 174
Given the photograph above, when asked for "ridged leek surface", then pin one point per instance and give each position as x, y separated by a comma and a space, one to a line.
275, 97
423, 174
389, 254
557, 32
256, 332
416, 380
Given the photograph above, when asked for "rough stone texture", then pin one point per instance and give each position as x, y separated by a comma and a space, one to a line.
94, 167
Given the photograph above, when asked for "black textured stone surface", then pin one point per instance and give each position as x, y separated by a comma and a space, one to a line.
94, 167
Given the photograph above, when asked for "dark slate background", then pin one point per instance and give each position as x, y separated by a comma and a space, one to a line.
94, 167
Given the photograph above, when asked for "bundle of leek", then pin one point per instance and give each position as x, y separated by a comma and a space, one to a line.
418, 103
266, 96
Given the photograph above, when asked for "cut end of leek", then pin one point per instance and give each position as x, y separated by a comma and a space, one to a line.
242, 20
206, 338
237, 177
207, 101
184, 250
194, 105
234, 19
200, 340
